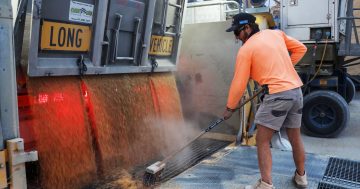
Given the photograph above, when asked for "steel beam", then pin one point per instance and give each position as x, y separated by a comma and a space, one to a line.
9, 119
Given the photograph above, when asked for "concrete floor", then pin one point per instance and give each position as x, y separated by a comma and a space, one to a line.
347, 144
236, 167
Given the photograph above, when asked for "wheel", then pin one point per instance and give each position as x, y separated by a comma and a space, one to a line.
325, 114
350, 90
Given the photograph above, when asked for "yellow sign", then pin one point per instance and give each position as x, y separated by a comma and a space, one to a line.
161, 45
65, 37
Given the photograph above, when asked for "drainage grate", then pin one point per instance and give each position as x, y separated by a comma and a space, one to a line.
191, 155
341, 174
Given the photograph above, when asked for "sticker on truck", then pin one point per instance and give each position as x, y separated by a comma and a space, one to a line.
65, 37
161, 45
81, 12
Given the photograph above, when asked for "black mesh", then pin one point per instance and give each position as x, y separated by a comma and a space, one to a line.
191, 155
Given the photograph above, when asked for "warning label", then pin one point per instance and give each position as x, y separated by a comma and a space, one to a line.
65, 37
161, 45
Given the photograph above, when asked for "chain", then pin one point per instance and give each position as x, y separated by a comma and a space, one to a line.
82, 65
154, 64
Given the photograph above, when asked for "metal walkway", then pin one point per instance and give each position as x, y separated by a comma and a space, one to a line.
235, 167
341, 174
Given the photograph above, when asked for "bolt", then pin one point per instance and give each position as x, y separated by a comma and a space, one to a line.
5, 110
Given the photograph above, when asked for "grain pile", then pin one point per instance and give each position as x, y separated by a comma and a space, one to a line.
117, 179
87, 130
120, 104
61, 130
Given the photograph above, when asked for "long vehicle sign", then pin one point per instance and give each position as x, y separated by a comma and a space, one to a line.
65, 37
161, 45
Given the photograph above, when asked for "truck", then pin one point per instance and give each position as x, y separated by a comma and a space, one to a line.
87, 86
87, 89
331, 37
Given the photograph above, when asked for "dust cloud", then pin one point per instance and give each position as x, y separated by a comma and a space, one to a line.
174, 134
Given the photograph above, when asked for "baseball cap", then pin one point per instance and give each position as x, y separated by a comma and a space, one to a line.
240, 20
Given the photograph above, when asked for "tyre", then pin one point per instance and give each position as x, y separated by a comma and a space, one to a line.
325, 114
350, 90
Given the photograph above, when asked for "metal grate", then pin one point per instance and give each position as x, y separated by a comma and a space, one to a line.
191, 155
341, 174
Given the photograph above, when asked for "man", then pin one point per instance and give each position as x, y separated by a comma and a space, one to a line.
265, 58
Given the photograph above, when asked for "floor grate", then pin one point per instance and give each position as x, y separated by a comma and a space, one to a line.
341, 174
191, 155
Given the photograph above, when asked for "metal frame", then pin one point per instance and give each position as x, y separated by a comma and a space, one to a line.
177, 48
45, 66
115, 57
220, 2
303, 28
19, 27
347, 48
163, 25
65, 66
147, 38
9, 119
169, 64
207, 3
98, 42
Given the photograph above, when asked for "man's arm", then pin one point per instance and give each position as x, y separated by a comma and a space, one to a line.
240, 79
295, 47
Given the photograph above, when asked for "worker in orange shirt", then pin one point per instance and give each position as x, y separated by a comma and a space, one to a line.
264, 57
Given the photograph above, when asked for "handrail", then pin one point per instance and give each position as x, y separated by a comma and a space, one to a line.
348, 18
207, 3
117, 36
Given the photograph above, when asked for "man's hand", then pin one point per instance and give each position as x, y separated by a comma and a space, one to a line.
227, 114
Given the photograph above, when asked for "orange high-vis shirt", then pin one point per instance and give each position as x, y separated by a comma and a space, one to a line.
265, 58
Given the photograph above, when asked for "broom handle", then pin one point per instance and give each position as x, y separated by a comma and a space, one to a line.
251, 98
217, 122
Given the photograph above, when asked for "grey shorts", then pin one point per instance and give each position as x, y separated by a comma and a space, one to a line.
281, 109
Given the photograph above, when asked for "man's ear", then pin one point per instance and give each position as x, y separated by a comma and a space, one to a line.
248, 28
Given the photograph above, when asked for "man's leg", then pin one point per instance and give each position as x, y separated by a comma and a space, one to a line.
298, 149
263, 138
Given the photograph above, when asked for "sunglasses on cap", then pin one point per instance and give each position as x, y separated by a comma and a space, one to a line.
237, 31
